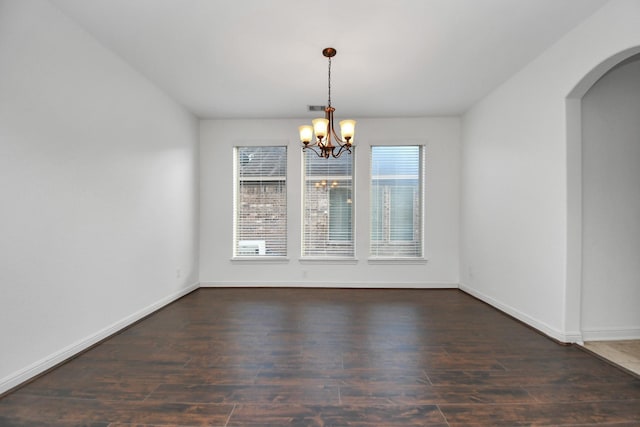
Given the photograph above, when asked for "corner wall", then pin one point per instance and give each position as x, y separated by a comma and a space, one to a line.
515, 218
99, 192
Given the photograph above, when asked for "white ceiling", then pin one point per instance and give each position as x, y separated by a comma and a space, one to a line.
262, 58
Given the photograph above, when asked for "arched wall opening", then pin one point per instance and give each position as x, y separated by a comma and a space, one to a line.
602, 192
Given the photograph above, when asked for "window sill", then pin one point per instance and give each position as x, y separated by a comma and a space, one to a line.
391, 260
327, 260
260, 259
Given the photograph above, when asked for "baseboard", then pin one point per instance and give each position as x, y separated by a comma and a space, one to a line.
14, 380
348, 285
536, 324
611, 334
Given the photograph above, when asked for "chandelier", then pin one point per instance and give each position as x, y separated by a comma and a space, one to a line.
323, 128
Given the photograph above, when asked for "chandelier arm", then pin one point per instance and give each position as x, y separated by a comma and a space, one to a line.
320, 153
343, 149
328, 150
339, 140
331, 131
328, 114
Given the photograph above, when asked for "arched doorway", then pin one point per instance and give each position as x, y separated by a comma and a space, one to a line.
603, 112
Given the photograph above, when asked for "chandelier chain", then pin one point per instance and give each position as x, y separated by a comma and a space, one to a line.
329, 101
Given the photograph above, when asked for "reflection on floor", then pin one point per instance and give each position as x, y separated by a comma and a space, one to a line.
624, 353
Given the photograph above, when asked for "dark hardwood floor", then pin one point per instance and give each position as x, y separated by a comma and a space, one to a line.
311, 357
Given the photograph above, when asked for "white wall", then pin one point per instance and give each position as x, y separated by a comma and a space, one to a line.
611, 205
442, 138
99, 191
515, 216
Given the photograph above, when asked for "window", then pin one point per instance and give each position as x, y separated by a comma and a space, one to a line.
327, 206
396, 201
260, 208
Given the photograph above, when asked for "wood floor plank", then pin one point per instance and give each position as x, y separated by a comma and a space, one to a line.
586, 392
328, 357
381, 394
254, 394
356, 376
569, 414
530, 379
47, 410
343, 415
94, 389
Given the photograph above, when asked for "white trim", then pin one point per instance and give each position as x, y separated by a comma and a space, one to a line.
260, 259
399, 260
328, 260
525, 318
573, 271
42, 365
351, 285
611, 334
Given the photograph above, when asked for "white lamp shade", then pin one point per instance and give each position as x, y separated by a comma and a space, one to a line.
348, 129
306, 133
320, 127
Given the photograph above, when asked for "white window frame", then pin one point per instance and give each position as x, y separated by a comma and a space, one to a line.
259, 245
390, 259
333, 258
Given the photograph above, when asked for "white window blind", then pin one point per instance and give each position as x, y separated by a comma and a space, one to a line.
396, 201
328, 206
260, 208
